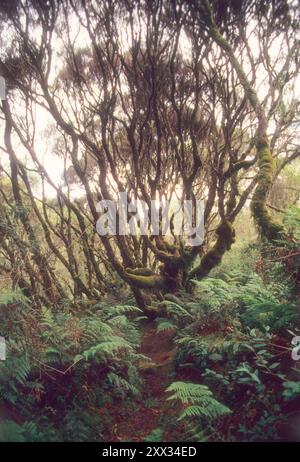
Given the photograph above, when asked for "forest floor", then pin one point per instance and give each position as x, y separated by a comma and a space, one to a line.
151, 411
150, 414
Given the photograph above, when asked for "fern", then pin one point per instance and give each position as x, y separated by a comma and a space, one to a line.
11, 432
155, 436
292, 220
80, 425
47, 318
120, 384
98, 343
7, 298
175, 310
164, 324
199, 399
105, 350
14, 371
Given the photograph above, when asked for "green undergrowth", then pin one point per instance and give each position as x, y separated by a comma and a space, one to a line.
63, 367
233, 336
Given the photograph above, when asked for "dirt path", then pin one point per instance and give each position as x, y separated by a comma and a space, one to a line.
150, 409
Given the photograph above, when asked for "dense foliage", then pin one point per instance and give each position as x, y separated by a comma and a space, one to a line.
114, 335
62, 366
232, 375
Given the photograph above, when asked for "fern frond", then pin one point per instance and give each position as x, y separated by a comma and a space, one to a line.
200, 399
164, 324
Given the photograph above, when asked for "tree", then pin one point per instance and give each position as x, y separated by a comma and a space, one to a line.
157, 99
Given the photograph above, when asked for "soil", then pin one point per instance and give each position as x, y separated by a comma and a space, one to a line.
151, 410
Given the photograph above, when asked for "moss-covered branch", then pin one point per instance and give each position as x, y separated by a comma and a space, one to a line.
268, 228
144, 278
225, 238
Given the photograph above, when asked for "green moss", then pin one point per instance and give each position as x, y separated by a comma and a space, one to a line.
153, 281
267, 227
140, 271
225, 238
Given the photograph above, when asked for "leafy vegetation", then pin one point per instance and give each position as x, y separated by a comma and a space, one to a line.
54, 359
232, 376
199, 399
234, 335
131, 326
